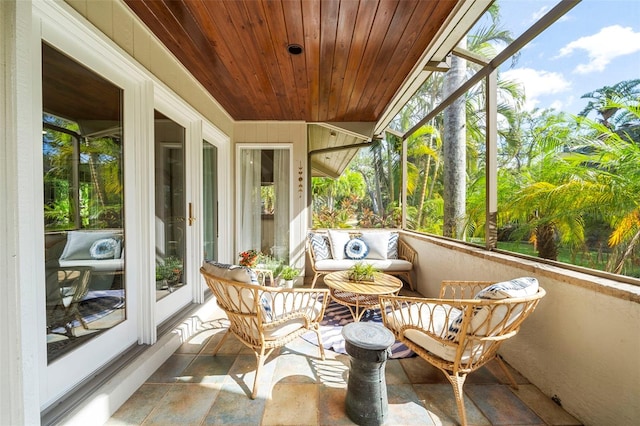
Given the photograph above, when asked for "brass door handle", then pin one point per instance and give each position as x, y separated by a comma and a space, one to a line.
191, 218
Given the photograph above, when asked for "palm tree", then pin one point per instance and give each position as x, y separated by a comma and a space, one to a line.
605, 101
484, 41
616, 158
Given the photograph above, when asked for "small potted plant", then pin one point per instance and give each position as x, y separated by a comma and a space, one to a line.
362, 272
288, 274
249, 258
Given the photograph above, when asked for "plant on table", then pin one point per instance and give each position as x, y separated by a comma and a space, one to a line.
362, 272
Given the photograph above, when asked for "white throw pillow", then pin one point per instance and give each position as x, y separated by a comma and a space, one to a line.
339, 240
378, 243
517, 287
230, 272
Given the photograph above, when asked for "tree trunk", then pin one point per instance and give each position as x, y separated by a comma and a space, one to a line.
632, 245
546, 241
454, 151
423, 192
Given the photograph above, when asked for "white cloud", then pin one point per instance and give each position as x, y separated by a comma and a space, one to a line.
537, 83
608, 44
539, 13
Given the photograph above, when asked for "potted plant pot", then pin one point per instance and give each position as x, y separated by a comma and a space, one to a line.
287, 275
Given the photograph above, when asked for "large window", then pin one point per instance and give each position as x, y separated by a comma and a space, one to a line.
82, 150
552, 158
264, 197
562, 173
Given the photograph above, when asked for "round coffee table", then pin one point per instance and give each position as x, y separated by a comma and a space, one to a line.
359, 296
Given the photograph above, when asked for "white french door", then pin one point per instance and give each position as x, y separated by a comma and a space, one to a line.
173, 213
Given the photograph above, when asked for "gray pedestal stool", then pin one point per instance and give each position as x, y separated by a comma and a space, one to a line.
368, 345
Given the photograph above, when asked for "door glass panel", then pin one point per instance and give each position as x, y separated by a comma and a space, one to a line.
170, 205
264, 202
83, 183
210, 201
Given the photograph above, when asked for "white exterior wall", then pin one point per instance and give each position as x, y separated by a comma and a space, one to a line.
582, 344
19, 382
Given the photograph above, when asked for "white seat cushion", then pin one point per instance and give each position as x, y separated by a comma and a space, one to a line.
104, 265
438, 327
286, 306
387, 265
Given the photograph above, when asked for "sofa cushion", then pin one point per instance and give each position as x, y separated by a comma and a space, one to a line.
339, 240
356, 249
320, 246
392, 251
387, 265
79, 243
378, 242
104, 265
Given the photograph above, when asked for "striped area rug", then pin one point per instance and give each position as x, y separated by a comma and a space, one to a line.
335, 317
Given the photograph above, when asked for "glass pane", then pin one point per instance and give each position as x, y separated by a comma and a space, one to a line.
210, 200
264, 202
170, 205
83, 204
367, 194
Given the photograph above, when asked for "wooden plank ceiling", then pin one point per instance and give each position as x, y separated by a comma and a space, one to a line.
355, 54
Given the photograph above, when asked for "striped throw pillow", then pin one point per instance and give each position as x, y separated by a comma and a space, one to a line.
320, 246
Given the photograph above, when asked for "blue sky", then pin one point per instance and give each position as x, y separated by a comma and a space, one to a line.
596, 44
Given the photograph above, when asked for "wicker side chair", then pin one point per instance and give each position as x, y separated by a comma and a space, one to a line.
460, 331
267, 318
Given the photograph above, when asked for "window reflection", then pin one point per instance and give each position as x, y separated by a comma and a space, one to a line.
170, 207
83, 203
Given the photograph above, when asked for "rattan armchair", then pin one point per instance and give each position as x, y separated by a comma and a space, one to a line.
267, 318
458, 333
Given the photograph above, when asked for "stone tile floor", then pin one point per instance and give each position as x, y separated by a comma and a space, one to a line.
297, 388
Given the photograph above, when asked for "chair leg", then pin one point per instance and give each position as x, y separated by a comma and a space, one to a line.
215, 350
320, 345
315, 278
261, 358
457, 381
410, 281
514, 385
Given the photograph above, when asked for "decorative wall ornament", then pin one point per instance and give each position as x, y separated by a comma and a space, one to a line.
300, 179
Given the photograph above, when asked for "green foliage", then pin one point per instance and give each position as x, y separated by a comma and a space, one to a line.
362, 272
289, 273
169, 269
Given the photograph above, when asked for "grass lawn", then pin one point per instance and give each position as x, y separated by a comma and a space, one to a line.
592, 259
